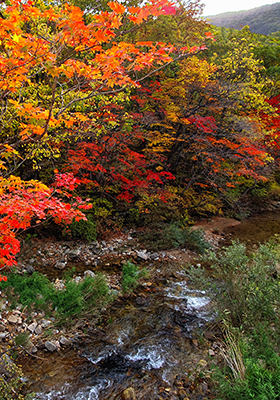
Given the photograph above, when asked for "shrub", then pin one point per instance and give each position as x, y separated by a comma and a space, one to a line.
167, 236
256, 375
85, 230
76, 300
243, 284
130, 276
11, 383
246, 290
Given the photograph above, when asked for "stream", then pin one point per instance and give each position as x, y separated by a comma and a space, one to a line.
151, 341
147, 345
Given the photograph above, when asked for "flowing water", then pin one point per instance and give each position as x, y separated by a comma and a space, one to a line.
146, 345
147, 342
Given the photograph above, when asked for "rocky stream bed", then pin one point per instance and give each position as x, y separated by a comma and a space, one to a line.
157, 343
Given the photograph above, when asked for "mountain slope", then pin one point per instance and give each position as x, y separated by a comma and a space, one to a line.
263, 20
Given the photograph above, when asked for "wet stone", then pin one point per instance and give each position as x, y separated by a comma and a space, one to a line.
4, 335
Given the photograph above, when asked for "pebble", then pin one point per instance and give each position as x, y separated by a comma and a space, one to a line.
13, 319
32, 327
50, 346
64, 341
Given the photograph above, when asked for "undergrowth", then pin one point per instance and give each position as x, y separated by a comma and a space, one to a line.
76, 300
246, 290
167, 236
130, 277
11, 381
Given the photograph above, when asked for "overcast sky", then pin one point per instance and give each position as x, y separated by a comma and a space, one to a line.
213, 7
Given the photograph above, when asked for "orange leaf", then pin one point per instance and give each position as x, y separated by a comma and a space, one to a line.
117, 7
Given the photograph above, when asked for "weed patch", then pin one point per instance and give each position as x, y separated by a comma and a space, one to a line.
168, 236
76, 300
246, 290
130, 277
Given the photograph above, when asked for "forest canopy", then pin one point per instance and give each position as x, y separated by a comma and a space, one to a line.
120, 113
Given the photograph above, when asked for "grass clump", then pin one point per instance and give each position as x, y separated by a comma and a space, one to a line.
75, 300
130, 277
80, 299
244, 285
168, 236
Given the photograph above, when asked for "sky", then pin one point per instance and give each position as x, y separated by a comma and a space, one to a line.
213, 7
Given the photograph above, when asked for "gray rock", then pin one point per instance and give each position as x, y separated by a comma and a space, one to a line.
45, 323
33, 349
50, 346
13, 319
143, 255
38, 330
4, 335
61, 264
74, 254
89, 273
32, 327
64, 341
2, 328
29, 268
154, 256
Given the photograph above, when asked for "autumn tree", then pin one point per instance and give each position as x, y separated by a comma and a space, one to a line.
205, 119
55, 68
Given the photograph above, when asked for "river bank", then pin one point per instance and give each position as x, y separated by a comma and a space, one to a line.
54, 355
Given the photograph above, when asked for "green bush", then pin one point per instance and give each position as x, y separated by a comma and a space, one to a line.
76, 300
130, 276
168, 236
28, 289
258, 373
85, 230
244, 285
246, 290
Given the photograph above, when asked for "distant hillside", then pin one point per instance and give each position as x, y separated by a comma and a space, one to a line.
263, 20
